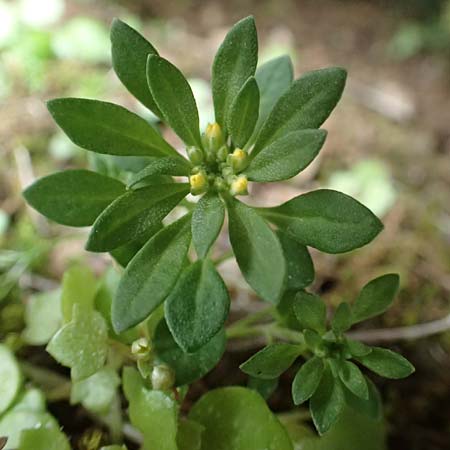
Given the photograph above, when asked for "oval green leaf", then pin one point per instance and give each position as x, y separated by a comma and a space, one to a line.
307, 380
311, 311
10, 378
353, 379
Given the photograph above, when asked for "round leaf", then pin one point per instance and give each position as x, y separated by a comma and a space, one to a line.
10, 378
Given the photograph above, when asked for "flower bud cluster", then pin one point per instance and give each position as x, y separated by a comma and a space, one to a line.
215, 167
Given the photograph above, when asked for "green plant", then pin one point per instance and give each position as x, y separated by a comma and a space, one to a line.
167, 311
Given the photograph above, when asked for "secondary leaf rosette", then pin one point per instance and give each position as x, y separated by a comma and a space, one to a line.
266, 130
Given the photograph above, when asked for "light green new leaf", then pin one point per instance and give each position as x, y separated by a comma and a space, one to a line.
79, 287
129, 53
311, 311
188, 367
43, 317
73, 197
174, 98
342, 319
96, 392
274, 77
306, 104
387, 363
107, 128
198, 306
307, 380
244, 113
353, 379
236, 418
234, 63
375, 297
271, 361
327, 220
286, 157
161, 166
207, 221
253, 240
151, 274
43, 438
300, 268
327, 403
81, 344
153, 413
134, 214
10, 378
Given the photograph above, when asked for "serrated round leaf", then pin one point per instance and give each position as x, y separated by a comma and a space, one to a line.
43, 438
327, 402
73, 197
306, 104
234, 63
198, 306
307, 380
387, 363
207, 221
10, 378
134, 214
311, 311
353, 379
375, 297
328, 220
244, 113
129, 53
151, 274
271, 361
188, 367
300, 268
257, 250
286, 157
175, 99
107, 128
236, 418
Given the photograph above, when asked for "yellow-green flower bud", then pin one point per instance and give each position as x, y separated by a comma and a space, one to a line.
140, 348
239, 186
222, 153
199, 183
238, 160
145, 367
220, 184
195, 155
163, 377
214, 138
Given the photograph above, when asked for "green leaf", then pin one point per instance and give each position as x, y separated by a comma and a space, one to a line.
271, 361
353, 379
42, 317
188, 367
327, 220
306, 104
327, 402
79, 287
286, 157
234, 63
134, 214
387, 363
371, 407
43, 438
129, 52
244, 113
107, 128
342, 319
253, 240
96, 392
81, 344
357, 348
300, 268
151, 275
73, 197
207, 221
236, 418
311, 311
161, 166
114, 447
265, 388
10, 378
189, 435
375, 297
307, 380
198, 306
153, 413
313, 340
174, 98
